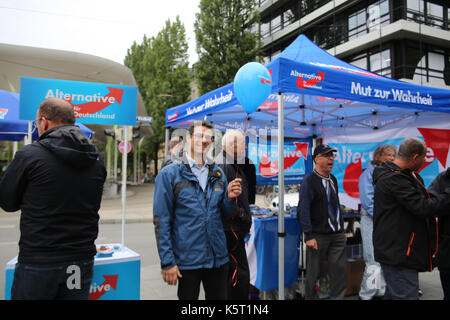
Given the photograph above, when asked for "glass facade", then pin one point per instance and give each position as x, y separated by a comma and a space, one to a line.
420, 62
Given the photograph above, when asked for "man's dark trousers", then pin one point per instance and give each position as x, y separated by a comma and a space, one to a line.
332, 248
53, 281
214, 283
401, 283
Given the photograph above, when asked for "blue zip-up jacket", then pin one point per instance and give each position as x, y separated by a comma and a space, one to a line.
367, 189
188, 225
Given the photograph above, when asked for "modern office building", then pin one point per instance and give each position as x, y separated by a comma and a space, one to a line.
407, 40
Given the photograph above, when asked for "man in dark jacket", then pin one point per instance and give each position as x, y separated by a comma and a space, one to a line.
403, 214
442, 259
57, 183
319, 215
235, 165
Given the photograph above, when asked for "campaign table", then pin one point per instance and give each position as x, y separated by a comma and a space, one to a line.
262, 252
116, 277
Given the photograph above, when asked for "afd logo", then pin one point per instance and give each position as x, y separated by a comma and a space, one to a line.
308, 80
172, 117
3, 113
97, 291
270, 168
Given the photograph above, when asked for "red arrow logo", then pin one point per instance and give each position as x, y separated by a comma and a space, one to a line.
304, 84
173, 117
270, 168
114, 95
351, 179
98, 291
439, 141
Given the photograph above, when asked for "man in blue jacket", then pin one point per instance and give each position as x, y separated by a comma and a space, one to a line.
190, 197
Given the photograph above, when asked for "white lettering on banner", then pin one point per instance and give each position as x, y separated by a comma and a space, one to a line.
211, 102
261, 151
347, 156
95, 115
306, 76
397, 94
79, 97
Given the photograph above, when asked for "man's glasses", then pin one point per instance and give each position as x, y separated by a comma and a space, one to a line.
328, 155
38, 121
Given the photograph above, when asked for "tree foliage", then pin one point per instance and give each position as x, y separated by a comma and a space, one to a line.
224, 40
161, 69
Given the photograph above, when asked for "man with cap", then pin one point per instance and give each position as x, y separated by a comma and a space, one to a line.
321, 220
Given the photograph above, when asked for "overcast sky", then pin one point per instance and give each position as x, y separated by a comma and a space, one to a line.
105, 28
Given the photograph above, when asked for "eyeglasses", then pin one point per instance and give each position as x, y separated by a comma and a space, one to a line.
38, 121
328, 155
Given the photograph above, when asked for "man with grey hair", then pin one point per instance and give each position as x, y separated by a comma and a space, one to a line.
235, 165
404, 214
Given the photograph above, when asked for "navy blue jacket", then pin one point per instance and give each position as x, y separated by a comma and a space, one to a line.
312, 209
188, 225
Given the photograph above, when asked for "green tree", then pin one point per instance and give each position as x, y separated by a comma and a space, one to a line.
225, 41
161, 69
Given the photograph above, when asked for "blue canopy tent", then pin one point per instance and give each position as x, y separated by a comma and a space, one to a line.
315, 94
14, 129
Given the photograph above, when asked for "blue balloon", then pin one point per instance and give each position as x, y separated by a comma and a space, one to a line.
252, 85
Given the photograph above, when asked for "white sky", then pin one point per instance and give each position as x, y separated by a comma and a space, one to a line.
105, 28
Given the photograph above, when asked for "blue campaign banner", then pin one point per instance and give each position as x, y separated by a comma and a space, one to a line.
98, 103
353, 156
297, 160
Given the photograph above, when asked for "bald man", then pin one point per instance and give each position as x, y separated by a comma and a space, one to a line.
235, 165
57, 183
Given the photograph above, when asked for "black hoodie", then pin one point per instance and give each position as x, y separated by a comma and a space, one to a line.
57, 183
404, 224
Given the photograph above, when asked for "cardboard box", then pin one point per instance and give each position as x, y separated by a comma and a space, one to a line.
355, 271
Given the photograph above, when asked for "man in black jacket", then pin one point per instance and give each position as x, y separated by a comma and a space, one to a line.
319, 215
442, 258
235, 165
403, 217
57, 183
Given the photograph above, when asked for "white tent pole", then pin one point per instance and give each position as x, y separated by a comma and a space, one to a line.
281, 230
108, 158
29, 139
124, 182
166, 143
115, 154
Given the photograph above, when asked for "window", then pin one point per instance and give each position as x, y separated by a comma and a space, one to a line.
265, 29
375, 61
275, 24
368, 19
357, 24
427, 12
435, 15
425, 64
380, 62
288, 17
360, 62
